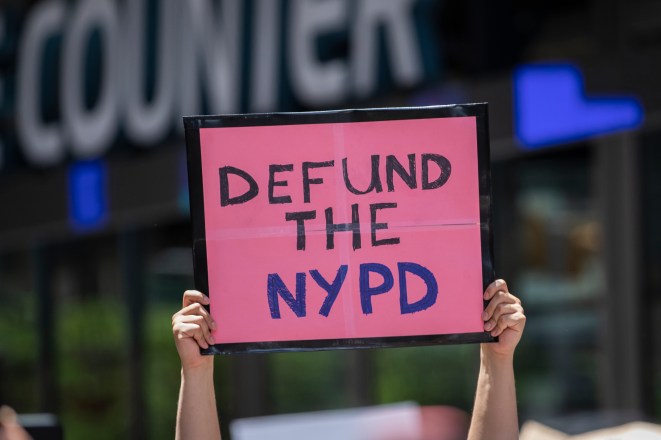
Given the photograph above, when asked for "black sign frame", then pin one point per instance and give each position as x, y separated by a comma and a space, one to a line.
192, 126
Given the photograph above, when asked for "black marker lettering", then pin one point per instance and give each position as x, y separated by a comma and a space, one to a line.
272, 183
331, 228
225, 198
376, 226
444, 166
375, 184
409, 178
300, 218
306, 177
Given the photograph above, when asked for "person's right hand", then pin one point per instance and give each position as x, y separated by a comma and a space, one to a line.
192, 327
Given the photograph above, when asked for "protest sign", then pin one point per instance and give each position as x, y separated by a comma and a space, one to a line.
342, 229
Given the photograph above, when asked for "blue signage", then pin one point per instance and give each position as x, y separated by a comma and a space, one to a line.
88, 204
551, 107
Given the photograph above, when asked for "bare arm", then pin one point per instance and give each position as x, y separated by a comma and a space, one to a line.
197, 417
494, 414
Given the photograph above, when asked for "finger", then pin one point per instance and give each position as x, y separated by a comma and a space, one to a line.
195, 313
194, 296
199, 321
201, 341
501, 309
514, 321
498, 298
494, 287
194, 331
197, 309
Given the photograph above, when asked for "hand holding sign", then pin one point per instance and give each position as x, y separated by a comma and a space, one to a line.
503, 317
191, 327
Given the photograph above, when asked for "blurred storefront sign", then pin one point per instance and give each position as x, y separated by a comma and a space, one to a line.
89, 73
551, 107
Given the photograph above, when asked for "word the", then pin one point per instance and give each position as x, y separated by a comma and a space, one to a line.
332, 228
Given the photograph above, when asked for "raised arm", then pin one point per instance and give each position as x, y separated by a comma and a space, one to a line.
197, 417
494, 414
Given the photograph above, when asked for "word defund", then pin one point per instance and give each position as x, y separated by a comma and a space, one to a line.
393, 166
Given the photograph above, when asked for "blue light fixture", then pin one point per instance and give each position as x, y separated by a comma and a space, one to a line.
550, 107
88, 201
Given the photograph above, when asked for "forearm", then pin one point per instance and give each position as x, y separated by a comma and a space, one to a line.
494, 414
197, 417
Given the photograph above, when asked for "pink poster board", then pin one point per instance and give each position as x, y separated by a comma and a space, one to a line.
342, 229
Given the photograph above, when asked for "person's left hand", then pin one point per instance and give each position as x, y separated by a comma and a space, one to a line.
503, 317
